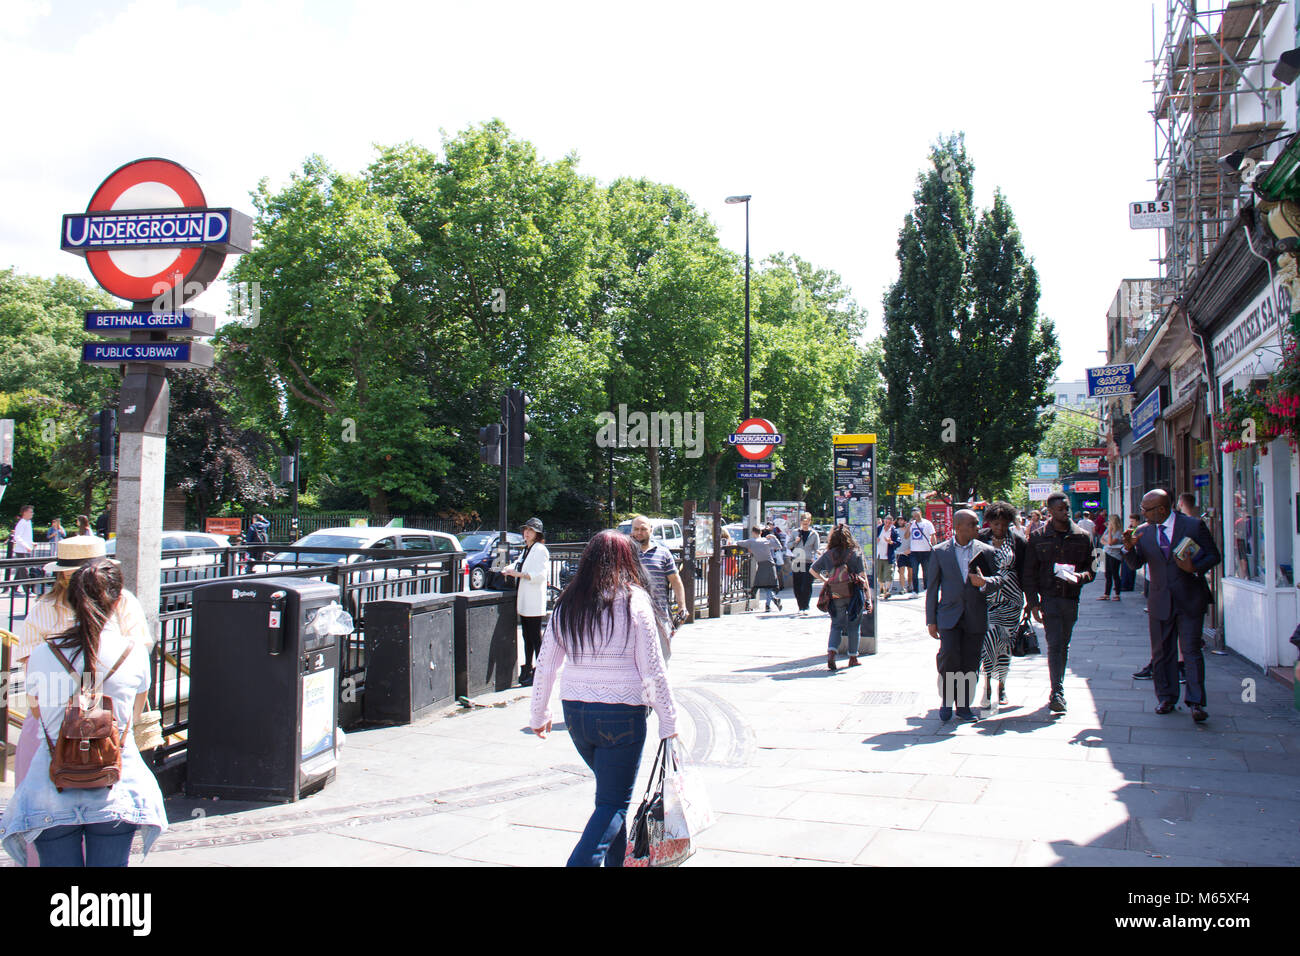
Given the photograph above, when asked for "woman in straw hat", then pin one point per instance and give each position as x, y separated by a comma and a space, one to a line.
94, 825
50, 615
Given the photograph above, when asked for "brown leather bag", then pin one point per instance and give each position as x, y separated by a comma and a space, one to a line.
88, 753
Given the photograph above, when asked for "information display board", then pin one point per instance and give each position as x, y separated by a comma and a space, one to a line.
853, 462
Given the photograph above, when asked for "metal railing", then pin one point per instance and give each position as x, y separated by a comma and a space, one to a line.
382, 575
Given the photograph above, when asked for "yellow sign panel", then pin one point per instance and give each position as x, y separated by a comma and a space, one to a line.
906, 489
853, 439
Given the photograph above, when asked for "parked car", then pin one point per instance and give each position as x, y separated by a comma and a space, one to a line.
364, 539
200, 560
480, 549
665, 531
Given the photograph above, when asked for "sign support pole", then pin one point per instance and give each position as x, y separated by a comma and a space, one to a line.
142, 427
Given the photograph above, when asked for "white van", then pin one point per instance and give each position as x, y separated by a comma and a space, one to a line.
665, 531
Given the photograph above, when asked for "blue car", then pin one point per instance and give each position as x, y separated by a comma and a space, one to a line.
480, 550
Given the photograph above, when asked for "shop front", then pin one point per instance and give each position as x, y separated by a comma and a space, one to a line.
1259, 504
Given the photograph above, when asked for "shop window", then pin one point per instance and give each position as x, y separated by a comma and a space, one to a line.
1247, 517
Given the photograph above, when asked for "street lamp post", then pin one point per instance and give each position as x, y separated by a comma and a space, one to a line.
751, 487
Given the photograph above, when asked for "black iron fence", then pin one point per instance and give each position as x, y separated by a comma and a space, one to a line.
361, 577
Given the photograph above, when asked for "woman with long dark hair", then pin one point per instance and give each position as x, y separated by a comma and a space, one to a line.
604, 640
86, 826
839, 568
1005, 603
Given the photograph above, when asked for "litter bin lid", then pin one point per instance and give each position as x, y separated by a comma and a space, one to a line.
262, 589
416, 603
485, 597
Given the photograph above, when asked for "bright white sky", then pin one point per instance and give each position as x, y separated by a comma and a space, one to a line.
823, 111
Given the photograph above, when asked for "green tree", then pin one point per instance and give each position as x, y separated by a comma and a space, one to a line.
210, 456
671, 299
967, 357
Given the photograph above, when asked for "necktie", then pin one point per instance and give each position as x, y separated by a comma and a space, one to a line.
1164, 541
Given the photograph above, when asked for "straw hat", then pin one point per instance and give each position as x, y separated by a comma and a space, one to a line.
76, 551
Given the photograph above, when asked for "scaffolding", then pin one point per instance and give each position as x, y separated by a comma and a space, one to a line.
1211, 97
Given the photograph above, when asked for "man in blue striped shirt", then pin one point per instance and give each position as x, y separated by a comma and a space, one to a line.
661, 569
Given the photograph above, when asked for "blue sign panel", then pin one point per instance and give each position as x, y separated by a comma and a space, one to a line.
1200, 481
1049, 469
147, 229
115, 352
1110, 380
1143, 420
114, 323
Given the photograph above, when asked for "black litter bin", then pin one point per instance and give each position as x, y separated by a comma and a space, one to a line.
487, 649
263, 712
410, 666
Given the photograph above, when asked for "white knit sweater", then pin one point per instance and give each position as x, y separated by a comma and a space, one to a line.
617, 671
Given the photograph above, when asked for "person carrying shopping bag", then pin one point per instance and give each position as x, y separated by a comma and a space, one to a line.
603, 646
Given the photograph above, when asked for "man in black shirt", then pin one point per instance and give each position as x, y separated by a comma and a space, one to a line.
1058, 563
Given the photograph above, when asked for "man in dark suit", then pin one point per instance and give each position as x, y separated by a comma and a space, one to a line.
1177, 597
956, 613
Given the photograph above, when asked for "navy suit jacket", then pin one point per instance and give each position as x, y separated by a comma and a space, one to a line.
1172, 589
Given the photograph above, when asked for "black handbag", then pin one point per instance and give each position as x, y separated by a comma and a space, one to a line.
1025, 643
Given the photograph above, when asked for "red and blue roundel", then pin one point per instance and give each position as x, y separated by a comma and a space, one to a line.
147, 232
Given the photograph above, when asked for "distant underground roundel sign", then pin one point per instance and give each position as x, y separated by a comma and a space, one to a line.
755, 439
148, 232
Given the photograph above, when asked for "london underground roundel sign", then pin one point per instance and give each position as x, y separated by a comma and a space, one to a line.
755, 439
148, 232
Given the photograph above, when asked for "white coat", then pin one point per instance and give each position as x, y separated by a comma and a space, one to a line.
536, 569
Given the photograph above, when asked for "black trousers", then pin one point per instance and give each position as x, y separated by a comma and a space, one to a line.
958, 661
802, 582
1178, 632
1112, 574
1059, 615
532, 627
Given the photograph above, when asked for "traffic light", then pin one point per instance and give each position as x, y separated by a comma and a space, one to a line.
516, 425
489, 444
102, 435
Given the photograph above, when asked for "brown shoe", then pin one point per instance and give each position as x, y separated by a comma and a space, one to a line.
830, 660
853, 662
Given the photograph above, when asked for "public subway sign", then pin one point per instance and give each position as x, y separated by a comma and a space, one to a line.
1143, 419
1110, 380
163, 353
148, 234
1257, 320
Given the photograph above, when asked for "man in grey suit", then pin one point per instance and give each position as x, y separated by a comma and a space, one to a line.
956, 613
1177, 596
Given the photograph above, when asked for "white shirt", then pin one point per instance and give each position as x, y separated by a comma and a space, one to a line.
883, 542
23, 537
920, 533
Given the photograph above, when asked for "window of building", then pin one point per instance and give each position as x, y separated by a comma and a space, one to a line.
1247, 515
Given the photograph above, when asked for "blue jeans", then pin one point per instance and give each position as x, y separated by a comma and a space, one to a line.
107, 844
842, 624
920, 561
609, 739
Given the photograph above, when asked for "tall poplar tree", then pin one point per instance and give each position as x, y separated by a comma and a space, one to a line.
967, 357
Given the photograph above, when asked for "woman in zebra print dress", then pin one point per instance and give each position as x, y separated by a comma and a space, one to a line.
1005, 604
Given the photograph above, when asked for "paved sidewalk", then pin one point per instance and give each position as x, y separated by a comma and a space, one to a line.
809, 767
